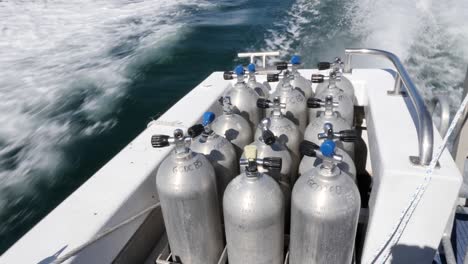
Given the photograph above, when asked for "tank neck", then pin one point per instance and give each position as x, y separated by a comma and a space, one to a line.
252, 77
328, 168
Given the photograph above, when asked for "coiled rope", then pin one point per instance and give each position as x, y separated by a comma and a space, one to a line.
106, 232
384, 251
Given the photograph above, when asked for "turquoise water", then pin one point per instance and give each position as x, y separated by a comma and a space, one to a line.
78, 86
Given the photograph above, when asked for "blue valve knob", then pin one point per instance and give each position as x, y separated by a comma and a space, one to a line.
251, 67
328, 148
295, 60
239, 70
208, 117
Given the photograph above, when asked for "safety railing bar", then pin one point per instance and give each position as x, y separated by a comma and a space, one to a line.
425, 129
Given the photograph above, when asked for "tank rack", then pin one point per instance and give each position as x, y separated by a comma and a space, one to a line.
165, 257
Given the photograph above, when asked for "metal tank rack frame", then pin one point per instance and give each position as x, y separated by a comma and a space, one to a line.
165, 257
424, 126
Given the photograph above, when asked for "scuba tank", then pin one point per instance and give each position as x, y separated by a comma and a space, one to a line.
324, 214
310, 159
259, 88
345, 103
233, 127
332, 118
296, 105
217, 149
186, 185
244, 99
254, 213
297, 80
340, 81
285, 130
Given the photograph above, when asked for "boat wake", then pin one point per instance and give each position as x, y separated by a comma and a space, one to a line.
430, 37
65, 67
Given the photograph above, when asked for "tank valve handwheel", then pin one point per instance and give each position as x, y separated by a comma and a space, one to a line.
272, 77
263, 103
272, 163
308, 148
348, 135
195, 130
323, 65
317, 78
282, 65
268, 137
159, 141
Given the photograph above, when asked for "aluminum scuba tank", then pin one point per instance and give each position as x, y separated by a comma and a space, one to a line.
244, 99
259, 88
254, 213
296, 105
297, 80
345, 104
186, 185
324, 213
310, 159
233, 127
316, 126
286, 132
335, 71
217, 149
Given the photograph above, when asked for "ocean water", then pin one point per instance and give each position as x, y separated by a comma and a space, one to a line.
80, 79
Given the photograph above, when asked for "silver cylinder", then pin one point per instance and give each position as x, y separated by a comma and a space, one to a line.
222, 155
259, 88
296, 105
254, 220
244, 103
343, 84
186, 186
235, 129
316, 126
324, 217
346, 165
345, 104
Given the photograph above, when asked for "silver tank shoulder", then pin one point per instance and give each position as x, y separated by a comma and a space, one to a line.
254, 220
303, 84
296, 106
324, 218
346, 165
189, 202
244, 103
344, 84
316, 126
345, 104
259, 88
222, 155
235, 129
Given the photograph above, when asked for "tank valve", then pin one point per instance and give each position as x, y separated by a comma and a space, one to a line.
272, 77
343, 135
323, 65
252, 162
238, 71
313, 102
182, 142
282, 65
204, 127
228, 75
317, 78
267, 136
308, 148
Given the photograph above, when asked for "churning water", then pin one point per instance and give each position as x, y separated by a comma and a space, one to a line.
79, 79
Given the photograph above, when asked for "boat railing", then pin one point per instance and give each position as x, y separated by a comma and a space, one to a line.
425, 126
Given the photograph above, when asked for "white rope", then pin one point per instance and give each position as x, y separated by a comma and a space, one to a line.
108, 231
381, 255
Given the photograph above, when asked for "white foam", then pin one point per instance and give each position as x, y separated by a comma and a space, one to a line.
63, 70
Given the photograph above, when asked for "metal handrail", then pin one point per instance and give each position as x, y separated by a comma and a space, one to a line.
425, 130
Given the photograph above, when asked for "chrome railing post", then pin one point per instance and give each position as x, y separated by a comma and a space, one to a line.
424, 127
347, 63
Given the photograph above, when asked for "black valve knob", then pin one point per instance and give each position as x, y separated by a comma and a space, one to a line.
195, 130
228, 75
317, 78
282, 65
272, 77
263, 103
272, 163
323, 65
348, 135
313, 102
308, 148
159, 141
268, 137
